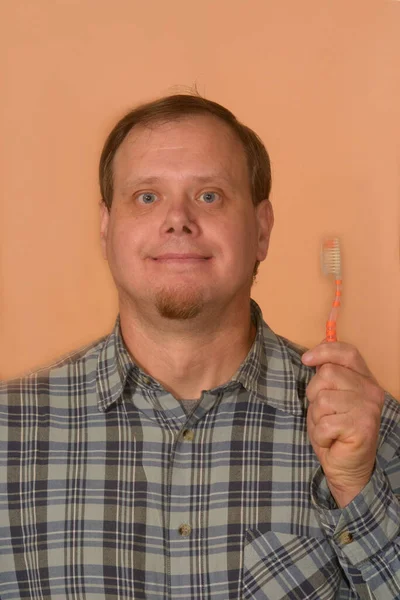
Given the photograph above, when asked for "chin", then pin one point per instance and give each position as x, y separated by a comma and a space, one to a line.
179, 304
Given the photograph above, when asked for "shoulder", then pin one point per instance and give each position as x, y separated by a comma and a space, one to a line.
295, 350
79, 365
287, 353
282, 377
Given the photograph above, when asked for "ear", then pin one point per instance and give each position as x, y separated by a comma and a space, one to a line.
104, 220
265, 222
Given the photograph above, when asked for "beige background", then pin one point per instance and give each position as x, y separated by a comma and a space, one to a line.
319, 80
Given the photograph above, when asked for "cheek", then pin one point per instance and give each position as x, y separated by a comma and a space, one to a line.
243, 238
124, 242
238, 247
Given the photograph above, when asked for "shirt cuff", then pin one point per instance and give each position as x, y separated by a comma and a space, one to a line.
366, 525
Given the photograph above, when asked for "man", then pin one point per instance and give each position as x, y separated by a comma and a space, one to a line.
193, 453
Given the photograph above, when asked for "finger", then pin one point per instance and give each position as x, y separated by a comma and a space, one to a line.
330, 402
324, 341
333, 428
338, 353
334, 377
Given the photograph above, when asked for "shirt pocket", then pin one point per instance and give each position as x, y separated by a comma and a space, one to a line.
282, 566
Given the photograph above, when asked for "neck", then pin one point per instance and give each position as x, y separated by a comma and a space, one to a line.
187, 357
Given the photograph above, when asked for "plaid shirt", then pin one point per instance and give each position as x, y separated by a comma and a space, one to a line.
109, 489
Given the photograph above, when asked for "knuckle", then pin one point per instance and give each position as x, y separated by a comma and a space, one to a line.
328, 370
353, 353
312, 416
323, 399
323, 433
324, 427
311, 391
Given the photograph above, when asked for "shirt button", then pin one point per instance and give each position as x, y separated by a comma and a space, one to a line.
188, 435
185, 530
345, 537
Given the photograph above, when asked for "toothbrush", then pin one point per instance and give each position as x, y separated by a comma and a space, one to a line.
331, 264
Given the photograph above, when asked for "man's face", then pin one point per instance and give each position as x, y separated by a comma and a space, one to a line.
183, 233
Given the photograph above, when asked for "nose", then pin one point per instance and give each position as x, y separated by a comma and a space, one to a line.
180, 218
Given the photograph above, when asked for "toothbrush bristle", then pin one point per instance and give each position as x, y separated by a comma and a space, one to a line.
330, 257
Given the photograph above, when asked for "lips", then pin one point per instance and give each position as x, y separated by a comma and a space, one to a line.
186, 256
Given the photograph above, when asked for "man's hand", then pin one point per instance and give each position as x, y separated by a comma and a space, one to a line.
343, 417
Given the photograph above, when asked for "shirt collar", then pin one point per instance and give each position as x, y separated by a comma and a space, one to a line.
272, 371
113, 368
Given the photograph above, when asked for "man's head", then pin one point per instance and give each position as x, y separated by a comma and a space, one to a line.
172, 108
185, 213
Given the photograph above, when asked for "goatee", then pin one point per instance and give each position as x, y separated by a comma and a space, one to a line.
180, 305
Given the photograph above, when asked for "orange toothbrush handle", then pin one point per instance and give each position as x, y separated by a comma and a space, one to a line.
331, 322
331, 331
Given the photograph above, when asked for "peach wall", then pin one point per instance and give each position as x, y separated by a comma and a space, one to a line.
318, 80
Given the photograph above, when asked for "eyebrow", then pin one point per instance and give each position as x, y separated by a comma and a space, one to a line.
129, 183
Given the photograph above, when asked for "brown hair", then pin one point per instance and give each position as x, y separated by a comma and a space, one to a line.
172, 108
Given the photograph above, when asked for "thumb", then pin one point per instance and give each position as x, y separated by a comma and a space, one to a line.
323, 341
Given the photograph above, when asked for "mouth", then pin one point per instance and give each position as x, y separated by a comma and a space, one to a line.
181, 258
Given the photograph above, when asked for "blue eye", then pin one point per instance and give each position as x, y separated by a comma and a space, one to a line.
209, 197
147, 198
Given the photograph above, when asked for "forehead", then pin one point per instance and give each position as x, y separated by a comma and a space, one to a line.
193, 142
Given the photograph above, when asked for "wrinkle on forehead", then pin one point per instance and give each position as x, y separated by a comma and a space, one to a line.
202, 136
219, 129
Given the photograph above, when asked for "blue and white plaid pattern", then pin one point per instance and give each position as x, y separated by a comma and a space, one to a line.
110, 490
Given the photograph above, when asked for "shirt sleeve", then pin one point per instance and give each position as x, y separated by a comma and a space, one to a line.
366, 533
